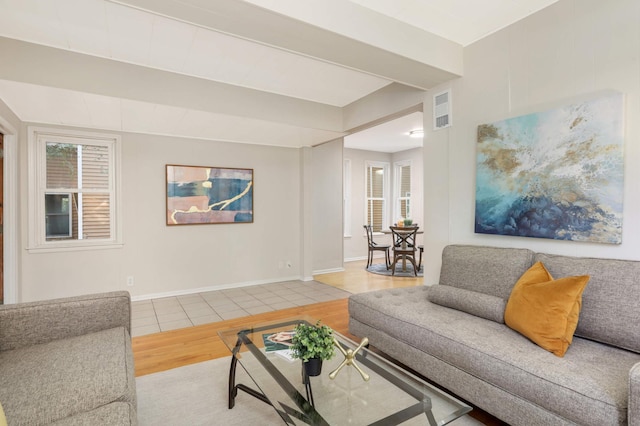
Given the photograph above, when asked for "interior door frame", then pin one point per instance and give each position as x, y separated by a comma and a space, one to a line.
10, 211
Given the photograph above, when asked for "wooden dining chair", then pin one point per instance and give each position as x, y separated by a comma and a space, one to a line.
373, 246
404, 246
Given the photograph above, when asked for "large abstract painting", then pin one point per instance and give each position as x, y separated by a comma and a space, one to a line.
556, 174
200, 195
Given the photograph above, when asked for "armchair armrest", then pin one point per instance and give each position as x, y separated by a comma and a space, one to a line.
633, 414
26, 324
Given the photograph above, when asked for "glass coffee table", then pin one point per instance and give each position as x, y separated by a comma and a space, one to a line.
391, 396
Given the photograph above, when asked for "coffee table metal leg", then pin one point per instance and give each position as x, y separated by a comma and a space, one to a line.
233, 390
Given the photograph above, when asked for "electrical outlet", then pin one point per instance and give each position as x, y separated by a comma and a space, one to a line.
130, 281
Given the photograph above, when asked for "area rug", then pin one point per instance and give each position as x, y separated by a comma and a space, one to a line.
381, 269
196, 395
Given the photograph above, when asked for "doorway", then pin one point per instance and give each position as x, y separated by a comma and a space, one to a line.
377, 160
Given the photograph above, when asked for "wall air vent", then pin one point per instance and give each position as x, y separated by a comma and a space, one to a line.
442, 110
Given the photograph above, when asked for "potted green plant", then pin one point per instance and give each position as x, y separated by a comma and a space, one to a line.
312, 343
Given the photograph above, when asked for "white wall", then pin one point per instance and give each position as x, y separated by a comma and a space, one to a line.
327, 207
566, 52
355, 245
179, 259
8, 116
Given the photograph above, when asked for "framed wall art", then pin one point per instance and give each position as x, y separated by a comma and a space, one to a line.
208, 195
555, 174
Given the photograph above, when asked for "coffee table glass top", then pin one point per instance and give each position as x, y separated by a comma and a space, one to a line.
391, 395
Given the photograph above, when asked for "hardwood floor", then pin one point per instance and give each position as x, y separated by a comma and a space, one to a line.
355, 279
171, 349
164, 351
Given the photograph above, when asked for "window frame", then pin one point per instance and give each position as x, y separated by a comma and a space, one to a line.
397, 196
385, 192
38, 137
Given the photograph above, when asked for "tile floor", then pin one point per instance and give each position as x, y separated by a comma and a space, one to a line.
170, 313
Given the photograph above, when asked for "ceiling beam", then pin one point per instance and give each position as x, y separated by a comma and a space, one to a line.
353, 41
46, 66
382, 105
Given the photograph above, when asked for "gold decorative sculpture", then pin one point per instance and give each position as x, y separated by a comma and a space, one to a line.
349, 359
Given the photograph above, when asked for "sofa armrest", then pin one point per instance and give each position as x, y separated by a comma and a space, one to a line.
634, 396
26, 324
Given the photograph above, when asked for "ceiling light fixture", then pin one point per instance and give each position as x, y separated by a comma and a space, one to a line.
418, 133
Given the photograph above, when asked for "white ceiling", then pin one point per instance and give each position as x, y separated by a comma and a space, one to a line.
462, 21
228, 70
391, 136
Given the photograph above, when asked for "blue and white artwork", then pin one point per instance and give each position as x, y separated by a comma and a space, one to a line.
556, 174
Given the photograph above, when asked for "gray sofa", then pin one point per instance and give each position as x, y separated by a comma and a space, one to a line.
462, 343
68, 361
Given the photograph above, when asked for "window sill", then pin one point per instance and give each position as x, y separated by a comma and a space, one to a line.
74, 247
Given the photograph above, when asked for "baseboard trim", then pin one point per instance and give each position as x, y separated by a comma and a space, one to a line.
211, 288
328, 271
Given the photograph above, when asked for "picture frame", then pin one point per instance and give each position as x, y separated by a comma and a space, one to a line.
197, 195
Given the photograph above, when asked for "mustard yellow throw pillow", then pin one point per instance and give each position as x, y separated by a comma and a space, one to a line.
546, 310
3, 419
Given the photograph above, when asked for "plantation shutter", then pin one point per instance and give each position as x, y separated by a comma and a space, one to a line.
375, 197
95, 177
405, 191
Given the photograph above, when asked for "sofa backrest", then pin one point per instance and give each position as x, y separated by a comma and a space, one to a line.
489, 270
610, 310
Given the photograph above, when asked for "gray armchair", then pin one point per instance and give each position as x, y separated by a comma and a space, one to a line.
68, 361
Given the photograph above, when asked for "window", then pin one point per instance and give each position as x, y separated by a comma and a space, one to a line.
73, 187
58, 218
376, 195
403, 190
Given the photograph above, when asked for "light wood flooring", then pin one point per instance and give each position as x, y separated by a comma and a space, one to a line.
355, 279
175, 348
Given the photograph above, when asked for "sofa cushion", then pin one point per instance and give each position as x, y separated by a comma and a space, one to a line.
545, 310
44, 383
474, 303
579, 387
489, 270
610, 310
